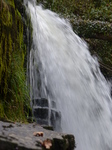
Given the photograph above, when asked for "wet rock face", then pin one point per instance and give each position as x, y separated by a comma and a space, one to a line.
45, 114
22, 137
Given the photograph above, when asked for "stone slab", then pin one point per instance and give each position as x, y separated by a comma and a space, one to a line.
16, 136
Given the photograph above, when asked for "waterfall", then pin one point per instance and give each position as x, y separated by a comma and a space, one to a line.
62, 70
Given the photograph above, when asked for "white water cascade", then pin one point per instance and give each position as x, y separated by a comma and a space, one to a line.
71, 77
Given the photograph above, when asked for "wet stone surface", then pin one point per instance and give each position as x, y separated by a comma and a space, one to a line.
16, 136
45, 114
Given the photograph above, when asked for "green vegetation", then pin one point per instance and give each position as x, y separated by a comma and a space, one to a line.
91, 20
14, 94
85, 9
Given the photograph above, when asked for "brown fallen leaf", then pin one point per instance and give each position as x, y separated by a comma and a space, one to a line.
47, 143
38, 133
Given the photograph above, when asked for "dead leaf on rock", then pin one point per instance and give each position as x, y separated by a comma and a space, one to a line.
38, 133
47, 144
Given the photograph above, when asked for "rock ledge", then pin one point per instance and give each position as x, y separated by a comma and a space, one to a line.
16, 136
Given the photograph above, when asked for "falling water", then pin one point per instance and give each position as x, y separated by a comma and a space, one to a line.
71, 77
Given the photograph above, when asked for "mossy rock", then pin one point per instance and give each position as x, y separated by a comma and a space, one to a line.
14, 94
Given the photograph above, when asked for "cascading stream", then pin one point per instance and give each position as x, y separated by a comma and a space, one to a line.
71, 77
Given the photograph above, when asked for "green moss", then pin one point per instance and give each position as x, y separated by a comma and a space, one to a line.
14, 94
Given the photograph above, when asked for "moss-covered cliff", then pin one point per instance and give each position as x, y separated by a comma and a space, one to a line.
14, 97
